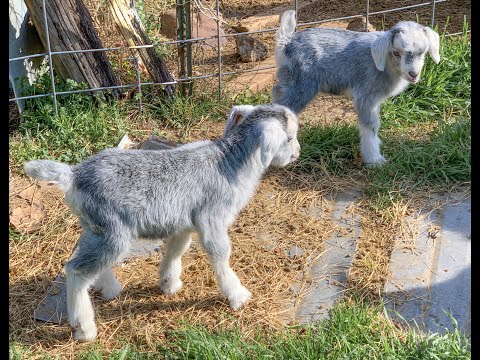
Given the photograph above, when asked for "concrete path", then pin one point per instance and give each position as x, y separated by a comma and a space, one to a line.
435, 278
330, 271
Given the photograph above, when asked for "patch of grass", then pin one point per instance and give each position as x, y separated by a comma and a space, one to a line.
244, 98
329, 149
80, 129
85, 124
356, 330
442, 160
181, 112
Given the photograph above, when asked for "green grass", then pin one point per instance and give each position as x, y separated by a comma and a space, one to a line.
183, 112
356, 330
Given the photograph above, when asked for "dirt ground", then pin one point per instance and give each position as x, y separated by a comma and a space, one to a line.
288, 209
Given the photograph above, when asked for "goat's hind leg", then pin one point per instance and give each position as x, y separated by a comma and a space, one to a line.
93, 255
294, 94
218, 247
171, 264
108, 284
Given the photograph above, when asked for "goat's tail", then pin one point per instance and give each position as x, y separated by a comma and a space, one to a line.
284, 34
53, 171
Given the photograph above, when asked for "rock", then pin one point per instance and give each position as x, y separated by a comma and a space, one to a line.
358, 24
295, 251
158, 143
251, 49
202, 26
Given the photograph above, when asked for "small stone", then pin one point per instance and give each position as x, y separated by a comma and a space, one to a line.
158, 143
358, 24
251, 49
295, 251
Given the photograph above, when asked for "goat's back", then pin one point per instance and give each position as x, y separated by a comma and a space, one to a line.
333, 59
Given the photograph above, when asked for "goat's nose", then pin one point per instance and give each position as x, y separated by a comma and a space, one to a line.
413, 74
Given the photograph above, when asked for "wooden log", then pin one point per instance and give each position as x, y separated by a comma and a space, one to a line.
71, 28
131, 27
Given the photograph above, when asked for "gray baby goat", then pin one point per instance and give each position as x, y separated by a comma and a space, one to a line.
120, 195
370, 67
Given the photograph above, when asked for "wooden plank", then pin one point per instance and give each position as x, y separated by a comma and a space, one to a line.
71, 28
130, 26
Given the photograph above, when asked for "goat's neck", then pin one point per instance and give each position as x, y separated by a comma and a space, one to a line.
396, 81
241, 162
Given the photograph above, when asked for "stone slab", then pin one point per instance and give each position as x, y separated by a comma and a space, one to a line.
330, 271
436, 276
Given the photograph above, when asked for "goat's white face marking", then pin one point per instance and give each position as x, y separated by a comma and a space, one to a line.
289, 148
408, 52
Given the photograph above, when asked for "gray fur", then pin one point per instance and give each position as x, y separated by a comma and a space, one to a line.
120, 195
360, 64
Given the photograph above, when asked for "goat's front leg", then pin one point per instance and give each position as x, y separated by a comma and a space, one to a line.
171, 264
369, 125
218, 247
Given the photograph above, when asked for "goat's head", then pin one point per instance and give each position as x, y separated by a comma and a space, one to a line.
405, 45
278, 127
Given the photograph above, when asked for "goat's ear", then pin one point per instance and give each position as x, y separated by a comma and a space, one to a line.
433, 44
288, 22
270, 140
236, 116
380, 49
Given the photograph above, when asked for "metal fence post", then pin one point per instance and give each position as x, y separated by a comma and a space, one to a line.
219, 52
366, 15
50, 63
433, 13
139, 83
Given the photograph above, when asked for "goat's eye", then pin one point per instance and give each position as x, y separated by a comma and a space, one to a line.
290, 138
396, 53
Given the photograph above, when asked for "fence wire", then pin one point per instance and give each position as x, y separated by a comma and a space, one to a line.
220, 74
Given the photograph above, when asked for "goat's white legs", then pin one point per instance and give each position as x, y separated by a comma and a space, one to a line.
369, 124
230, 284
171, 264
80, 310
108, 284
370, 146
218, 249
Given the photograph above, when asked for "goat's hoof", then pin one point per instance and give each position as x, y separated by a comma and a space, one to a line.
239, 298
111, 292
170, 286
85, 333
377, 161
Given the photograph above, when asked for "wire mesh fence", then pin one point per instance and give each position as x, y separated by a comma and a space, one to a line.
219, 73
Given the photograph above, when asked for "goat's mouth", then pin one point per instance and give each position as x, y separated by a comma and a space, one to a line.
412, 79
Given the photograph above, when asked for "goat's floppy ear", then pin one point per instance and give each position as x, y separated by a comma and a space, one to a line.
380, 49
433, 44
270, 140
236, 116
